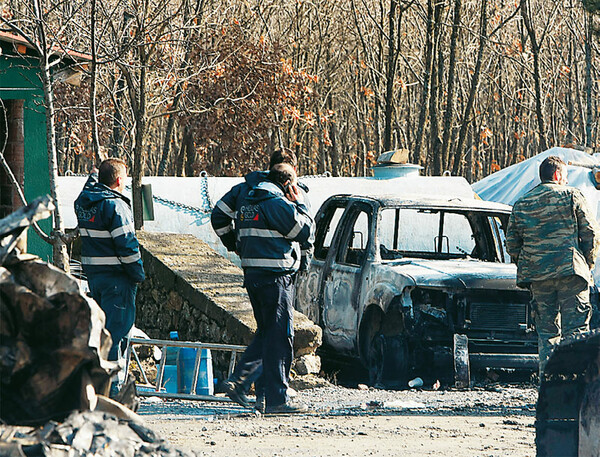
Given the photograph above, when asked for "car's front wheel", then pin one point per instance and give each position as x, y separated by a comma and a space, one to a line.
389, 361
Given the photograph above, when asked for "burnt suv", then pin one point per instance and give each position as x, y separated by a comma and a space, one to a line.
406, 284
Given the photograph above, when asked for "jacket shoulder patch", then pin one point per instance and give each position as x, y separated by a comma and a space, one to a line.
248, 213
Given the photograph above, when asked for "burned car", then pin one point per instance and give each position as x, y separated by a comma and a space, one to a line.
407, 283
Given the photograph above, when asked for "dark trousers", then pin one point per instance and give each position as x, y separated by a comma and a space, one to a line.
271, 350
116, 297
249, 369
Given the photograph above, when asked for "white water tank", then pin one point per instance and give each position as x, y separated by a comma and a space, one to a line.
394, 164
396, 171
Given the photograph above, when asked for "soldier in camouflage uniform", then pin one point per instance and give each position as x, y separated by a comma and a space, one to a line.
554, 240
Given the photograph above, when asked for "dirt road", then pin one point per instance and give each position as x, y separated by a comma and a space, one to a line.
496, 420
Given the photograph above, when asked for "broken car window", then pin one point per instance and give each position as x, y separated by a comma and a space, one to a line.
355, 240
325, 230
424, 233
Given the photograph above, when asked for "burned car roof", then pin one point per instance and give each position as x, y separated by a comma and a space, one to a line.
417, 201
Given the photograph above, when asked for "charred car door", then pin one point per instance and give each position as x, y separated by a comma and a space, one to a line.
308, 295
343, 276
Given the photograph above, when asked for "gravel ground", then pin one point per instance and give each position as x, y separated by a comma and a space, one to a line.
490, 420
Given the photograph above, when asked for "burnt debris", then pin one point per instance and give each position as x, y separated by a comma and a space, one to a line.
86, 433
53, 344
54, 372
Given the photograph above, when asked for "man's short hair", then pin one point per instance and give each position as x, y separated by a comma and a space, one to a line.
281, 173
549, 166
110, 170
283, 156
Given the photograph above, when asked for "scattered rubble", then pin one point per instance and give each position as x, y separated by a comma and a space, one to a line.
86, 433
53, 367
447, 424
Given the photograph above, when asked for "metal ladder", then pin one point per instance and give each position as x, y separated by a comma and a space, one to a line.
157, 392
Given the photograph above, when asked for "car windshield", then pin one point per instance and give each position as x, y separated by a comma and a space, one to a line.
438, 234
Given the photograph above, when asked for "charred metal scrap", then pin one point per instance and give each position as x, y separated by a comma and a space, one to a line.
53, 344
12, 226
86, 433
53, 367
568, 408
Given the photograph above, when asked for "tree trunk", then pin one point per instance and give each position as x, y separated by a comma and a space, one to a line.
138, 152
93, 71
390, 77
427, 69
589, 89
537, 79
118, 97
570, 105
449, 114
462, 134
59, 248
436, 79
162, 166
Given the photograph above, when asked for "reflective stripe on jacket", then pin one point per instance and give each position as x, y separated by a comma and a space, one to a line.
224, 213
270, 229
108, 241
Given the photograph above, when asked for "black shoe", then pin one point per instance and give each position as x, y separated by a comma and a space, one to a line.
234, 391
260, 404
291, 407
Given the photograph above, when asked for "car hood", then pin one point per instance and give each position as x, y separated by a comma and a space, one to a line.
459, 274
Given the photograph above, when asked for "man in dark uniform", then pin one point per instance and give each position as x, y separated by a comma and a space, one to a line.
249, 368
271, 222
110, 254
554, 240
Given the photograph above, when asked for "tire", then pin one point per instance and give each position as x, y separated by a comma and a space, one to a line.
389, 361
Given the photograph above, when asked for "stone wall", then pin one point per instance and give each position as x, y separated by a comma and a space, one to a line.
192, 289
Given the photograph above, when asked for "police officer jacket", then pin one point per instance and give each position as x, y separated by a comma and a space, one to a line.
268, 230
108, 242
552, 234
224, 214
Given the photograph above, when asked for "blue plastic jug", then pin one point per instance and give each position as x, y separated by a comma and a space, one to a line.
170, 372
186, 365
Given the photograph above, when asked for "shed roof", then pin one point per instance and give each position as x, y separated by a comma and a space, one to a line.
18, 40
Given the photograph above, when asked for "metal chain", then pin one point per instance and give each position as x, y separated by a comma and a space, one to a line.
206, 209
176, 204
203, 191
326, 174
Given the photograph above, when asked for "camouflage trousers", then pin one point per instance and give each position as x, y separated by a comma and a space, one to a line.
562, 308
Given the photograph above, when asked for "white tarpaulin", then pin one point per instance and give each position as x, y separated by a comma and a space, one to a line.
507, 185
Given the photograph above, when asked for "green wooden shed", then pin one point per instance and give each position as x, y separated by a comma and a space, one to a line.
23, 128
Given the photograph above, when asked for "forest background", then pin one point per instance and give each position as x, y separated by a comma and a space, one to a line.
184, 86
187, 86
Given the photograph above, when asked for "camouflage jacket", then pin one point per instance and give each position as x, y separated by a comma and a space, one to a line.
551, 234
